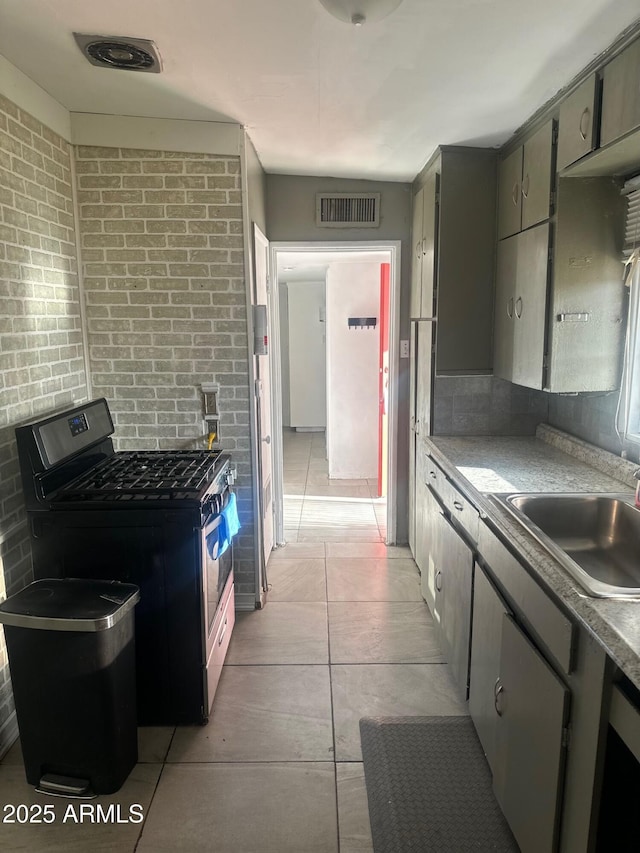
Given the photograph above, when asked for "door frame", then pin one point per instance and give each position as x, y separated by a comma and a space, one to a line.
276, 248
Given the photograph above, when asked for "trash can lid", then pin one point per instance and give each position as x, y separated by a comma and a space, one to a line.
69, 604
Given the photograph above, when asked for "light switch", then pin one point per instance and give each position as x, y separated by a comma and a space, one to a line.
404, 349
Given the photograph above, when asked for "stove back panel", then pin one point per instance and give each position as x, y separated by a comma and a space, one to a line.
63, 436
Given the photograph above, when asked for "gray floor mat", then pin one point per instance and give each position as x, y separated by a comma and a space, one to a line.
429, 787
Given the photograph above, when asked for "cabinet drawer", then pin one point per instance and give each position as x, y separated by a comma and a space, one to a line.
462, 511
222, 631
435, 476
546, 622
576, 135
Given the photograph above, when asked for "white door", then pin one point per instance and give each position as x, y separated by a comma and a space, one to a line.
307, 354
263, 394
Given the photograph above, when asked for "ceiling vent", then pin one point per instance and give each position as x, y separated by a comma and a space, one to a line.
120, 52
348, 210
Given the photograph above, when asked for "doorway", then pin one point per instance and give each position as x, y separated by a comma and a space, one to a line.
327, 484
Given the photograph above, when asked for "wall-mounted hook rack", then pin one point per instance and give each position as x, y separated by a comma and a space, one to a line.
362, 322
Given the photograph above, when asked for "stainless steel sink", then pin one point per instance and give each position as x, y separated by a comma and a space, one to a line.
596, 537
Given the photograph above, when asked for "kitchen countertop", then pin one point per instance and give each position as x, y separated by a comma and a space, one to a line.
483, 465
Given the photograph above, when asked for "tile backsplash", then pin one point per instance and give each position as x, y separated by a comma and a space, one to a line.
485, 405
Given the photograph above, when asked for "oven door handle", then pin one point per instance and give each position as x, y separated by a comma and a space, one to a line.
216, 503
211, 525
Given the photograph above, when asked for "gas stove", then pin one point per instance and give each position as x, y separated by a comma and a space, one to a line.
149, 476
154, 518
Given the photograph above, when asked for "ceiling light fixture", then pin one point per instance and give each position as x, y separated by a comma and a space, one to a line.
358, 12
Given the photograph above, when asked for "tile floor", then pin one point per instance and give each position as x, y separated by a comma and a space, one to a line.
278, 769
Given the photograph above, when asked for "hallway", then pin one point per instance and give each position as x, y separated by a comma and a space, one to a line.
345, 634
319, 509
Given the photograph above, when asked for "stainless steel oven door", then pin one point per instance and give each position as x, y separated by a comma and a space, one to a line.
218, 604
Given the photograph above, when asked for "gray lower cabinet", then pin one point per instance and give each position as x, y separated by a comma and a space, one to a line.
532, 704
453, 582
428, 548
520, 707
413, 437
421, 538
421, 380
488, 610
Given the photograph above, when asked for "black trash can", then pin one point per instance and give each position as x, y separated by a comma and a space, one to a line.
72, 661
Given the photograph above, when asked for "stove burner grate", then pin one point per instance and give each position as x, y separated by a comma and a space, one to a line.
145, 475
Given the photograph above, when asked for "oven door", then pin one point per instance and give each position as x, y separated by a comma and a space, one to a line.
218, 601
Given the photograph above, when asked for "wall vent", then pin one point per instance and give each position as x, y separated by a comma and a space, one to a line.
344, 210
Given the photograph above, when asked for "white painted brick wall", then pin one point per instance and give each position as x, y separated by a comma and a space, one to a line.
41, 348
162, 252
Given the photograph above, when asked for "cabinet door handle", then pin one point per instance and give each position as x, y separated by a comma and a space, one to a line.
515, 193
518, 311
438, 581
583, 127
432, 474
223, 632
525, 186
510, 307
424, 246
498, 689
458, 506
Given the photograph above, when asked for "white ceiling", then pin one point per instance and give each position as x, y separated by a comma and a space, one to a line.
318, 96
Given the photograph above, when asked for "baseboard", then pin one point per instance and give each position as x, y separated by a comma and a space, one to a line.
245, 601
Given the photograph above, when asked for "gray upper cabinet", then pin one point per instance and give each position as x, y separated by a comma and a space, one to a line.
621, 94
576, 127
547, 316
424, 237
521, 307
416, 258
525, 182
587, 291
530, 307
503, 329
466, 260
510, 194
537, 176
